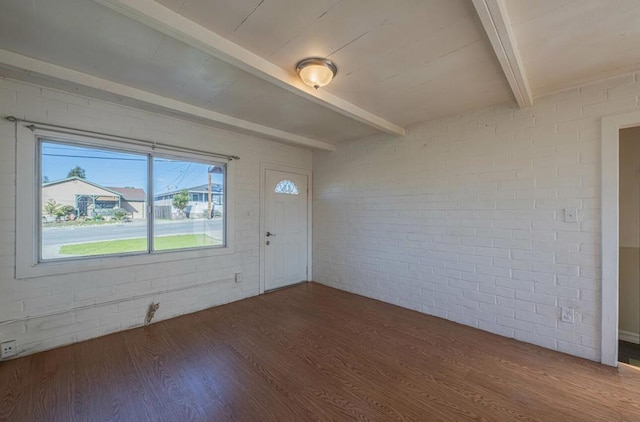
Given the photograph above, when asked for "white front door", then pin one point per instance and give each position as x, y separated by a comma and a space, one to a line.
285, 234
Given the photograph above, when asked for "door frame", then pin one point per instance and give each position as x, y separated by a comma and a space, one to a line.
264, 166
610, 214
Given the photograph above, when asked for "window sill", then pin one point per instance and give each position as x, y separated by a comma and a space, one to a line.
71, 266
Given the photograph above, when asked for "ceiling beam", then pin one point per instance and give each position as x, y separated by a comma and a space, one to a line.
494, 18
60, 73
165, 20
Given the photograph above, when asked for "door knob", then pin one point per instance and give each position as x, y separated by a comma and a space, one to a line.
270, 234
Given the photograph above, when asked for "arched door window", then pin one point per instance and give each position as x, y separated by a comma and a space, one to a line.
287, 187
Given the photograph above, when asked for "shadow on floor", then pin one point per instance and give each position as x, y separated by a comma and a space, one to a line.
629, 353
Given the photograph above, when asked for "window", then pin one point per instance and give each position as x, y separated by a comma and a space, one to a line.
287, 187
182, 217
99, 200
92, 201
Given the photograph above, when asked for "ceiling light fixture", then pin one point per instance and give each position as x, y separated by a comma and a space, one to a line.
316, 72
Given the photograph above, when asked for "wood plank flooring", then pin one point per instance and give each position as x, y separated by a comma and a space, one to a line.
312, 353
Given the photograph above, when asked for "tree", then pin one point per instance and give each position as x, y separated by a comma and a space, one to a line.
65, 210
51, 207
77, 171
120, 213
45, 179
180, 200
58, 210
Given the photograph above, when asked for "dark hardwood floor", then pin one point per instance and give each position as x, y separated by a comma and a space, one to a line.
311, 353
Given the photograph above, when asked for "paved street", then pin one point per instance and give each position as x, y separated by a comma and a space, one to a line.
53, 237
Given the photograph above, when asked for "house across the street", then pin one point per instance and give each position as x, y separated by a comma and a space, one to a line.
197, 205
89, 198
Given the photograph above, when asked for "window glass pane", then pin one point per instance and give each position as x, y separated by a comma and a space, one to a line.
93, 201
185, 217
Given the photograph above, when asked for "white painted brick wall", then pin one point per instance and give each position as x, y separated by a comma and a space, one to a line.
463, 218
22, 299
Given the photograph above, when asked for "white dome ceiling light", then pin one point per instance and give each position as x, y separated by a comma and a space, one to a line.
316, 72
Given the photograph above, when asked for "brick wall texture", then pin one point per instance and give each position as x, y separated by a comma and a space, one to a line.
464, 217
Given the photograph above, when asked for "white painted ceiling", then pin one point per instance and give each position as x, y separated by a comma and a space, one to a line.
564, 43
85, 36
405, 61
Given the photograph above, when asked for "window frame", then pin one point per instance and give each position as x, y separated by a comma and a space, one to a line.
40, 206
28, 195
150, 198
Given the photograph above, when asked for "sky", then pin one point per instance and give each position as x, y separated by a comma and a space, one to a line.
118, 169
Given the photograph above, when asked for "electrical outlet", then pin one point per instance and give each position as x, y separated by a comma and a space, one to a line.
568, 315
238, 278
570, 215
8, 349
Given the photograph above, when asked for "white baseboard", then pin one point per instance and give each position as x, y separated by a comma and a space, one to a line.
629, 336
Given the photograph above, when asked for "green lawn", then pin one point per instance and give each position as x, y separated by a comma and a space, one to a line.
138, 245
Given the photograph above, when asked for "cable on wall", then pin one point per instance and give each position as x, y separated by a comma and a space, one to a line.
114, 301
